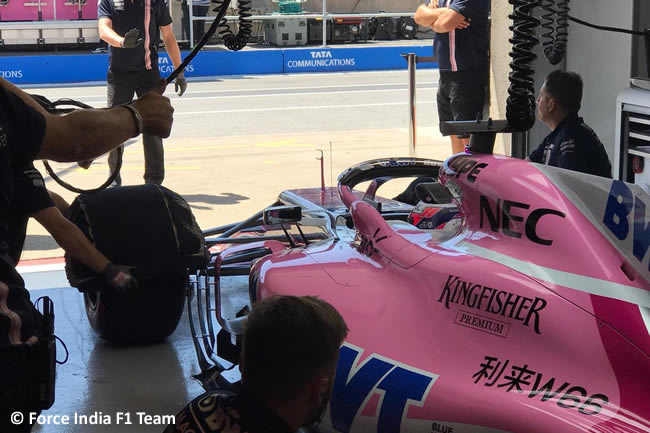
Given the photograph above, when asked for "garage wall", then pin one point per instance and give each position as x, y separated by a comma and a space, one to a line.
603, 59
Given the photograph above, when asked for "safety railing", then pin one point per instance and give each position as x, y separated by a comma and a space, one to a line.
324, 15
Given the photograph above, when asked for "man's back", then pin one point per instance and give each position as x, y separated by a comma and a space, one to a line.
575, 146
223, 412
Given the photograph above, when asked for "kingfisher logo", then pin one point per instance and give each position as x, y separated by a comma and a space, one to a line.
400, 385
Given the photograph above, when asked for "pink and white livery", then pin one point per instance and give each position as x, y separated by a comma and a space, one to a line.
528, 311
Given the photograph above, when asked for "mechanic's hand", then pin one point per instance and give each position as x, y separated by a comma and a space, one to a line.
119, 278
156, 112
433, 4
131, 39
463, 24
180, 84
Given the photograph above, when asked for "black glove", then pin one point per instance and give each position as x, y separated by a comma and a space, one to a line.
131, 39
180, 84
119, 277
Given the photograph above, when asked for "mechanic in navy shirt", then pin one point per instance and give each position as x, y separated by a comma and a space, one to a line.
288, 362
572, 144
132, 29
27, 133
461, 46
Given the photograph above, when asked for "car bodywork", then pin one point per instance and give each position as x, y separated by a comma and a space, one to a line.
527, 312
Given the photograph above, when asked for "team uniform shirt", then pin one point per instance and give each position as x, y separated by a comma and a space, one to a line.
138, 14
215, 413
575, 146
22, 129
31, 196
464, 49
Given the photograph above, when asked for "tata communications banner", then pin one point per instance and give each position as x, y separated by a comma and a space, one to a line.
60, 68
352, 59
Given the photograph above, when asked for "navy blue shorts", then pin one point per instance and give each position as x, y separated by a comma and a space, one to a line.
461, 95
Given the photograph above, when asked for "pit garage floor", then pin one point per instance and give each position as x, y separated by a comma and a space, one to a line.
237, 142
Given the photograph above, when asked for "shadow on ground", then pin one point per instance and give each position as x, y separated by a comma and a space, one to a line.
40, 242
227, 198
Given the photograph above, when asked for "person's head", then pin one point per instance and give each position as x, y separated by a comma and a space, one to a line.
290, 351
560, 96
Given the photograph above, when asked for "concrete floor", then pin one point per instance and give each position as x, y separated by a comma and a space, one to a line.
235, 145
237, 142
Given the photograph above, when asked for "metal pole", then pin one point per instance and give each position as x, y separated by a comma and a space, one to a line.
324, 22
411, 60
190, 5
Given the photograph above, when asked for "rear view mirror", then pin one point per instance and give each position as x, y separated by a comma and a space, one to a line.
282, 215
432, 193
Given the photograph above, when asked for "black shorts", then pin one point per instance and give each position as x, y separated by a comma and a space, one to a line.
461, 95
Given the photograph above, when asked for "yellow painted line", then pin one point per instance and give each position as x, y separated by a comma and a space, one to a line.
282, 143
169, 167
199, 148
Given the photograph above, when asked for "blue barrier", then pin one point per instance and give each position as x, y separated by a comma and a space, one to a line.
62, 68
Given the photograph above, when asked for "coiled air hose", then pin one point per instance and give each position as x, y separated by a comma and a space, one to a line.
555, 22
520, 108
237, 42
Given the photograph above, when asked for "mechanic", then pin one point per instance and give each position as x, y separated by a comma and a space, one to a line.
288, 362
27, 133
461, 46
572, 144
33, 199
133, 65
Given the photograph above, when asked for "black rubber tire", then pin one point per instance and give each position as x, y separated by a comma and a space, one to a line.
147, 314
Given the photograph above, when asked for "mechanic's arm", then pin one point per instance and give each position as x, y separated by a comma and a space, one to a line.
107, 34
449, 20
71, 239
171, 45
88, 134
426, 15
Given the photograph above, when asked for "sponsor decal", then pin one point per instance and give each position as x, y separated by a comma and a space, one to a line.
400, 385
481, 323
321, 59
441, 428
469, 166
524, 380
165, 66
17, 73
493, 301
620, 205
507, 210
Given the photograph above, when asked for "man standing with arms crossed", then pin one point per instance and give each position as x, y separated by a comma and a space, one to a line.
461, 45
132, 29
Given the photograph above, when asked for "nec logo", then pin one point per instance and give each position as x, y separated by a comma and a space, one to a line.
620, 205
355, 382
499, 219
320, 54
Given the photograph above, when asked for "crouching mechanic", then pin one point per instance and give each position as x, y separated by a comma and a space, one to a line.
27, 133
288, 362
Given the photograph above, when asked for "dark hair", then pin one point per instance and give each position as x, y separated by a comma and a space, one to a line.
566, 89
288, 341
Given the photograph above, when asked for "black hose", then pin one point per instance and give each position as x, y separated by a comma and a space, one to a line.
230, 40
555, 22
520, 109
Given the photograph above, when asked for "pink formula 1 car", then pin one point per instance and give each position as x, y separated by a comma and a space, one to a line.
525, 307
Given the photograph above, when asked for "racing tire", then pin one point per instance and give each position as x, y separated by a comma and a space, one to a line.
147, 314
